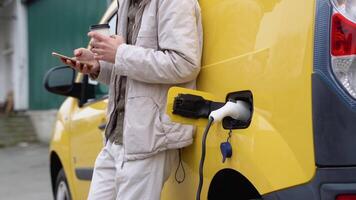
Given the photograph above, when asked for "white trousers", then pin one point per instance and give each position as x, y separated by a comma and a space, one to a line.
135, 180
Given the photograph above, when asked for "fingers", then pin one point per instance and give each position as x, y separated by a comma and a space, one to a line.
116, 37
97, 44
73, 64
79, 66
78, 52
85, 69
69, 62
105, 47
97, 36
97, 51
98, 57
63, 60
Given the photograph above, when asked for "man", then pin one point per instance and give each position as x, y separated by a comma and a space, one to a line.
159, 44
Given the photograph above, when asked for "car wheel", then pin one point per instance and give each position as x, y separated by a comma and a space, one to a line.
62, 190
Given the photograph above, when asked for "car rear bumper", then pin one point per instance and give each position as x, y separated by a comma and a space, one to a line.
326, 185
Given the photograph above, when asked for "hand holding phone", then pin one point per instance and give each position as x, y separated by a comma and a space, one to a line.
83, 61
74, 61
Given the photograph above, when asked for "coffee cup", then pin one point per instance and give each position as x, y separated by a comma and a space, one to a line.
101, 28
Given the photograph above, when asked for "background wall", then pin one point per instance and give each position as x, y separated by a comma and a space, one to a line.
7, 19
58, 26
20, 74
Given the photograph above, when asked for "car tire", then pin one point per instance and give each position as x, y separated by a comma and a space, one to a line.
62, 191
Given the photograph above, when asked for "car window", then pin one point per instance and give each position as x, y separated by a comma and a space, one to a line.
101, 89
112, 24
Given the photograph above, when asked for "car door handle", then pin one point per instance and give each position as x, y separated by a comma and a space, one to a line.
102, 126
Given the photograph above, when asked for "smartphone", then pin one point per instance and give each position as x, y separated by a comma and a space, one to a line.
71, 59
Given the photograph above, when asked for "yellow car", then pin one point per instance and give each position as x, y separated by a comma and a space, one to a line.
296, 62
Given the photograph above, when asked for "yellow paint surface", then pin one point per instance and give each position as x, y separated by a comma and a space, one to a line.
265, 46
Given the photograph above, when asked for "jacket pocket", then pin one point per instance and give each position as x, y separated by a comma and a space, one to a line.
143, 131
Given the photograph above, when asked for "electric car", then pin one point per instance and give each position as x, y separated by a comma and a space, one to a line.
292, 61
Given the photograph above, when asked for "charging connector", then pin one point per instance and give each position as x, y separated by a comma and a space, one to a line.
238, 110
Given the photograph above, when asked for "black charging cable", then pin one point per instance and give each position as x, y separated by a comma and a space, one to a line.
202, 159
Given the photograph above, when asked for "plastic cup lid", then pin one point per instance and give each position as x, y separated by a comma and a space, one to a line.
99, 26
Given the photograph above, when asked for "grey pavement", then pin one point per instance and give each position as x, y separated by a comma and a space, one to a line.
16, 128
24, 172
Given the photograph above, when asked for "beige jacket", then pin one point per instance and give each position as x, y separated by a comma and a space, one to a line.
167, 52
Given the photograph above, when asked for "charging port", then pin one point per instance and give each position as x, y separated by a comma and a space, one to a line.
193, 106
230, 123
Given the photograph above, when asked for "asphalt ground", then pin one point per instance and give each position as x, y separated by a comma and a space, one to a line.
24, 172
16, 128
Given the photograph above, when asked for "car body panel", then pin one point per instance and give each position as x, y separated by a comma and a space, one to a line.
265, 47
258, 45
86, 140
60, 142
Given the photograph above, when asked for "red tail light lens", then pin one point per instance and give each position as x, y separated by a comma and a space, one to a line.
343, 44
343, 36
346, 197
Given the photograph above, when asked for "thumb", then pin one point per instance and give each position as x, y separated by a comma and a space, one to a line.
116, 37
78, 52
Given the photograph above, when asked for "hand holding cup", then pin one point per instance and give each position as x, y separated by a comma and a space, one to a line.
105, 47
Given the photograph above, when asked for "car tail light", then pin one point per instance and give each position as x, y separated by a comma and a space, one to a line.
343, 44
346, 197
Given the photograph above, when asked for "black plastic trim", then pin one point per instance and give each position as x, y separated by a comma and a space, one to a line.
334, 127
74, 86
84, 174
334, 111
102, 126
326, 184
332, 190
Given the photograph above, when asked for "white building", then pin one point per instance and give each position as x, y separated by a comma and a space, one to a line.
14, 53
47, 31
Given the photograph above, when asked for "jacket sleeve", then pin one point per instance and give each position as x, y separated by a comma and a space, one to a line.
105, 72
179, 40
